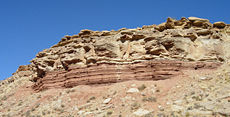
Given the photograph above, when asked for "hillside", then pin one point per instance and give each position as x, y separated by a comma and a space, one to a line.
177, 68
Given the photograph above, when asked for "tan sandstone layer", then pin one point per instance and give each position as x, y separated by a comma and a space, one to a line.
192, 39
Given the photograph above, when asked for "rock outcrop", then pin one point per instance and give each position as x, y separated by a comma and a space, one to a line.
192, 39
177, 68
105, 73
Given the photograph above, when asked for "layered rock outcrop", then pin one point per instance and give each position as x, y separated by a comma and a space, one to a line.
170, 69
187, 40
103, 73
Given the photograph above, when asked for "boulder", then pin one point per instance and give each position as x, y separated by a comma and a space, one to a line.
197, 19
170, 23
199, 22
204, 32
153, 48
161, 27
219, 24
85, 32
107, 49
136, 37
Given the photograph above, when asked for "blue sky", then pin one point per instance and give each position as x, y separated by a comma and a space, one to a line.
29, 26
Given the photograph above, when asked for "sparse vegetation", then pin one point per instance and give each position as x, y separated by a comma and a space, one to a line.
187, 114
115, 92
110, 112
149, 99
70, 116
61, 110
62, 105
39, 96
27, 114
43, 112
48, 112
37, 105
142, 87
149, 115
135, 106
20, 103
70, 91
92, 98
158, 90
197, 98
4, 98
33, 109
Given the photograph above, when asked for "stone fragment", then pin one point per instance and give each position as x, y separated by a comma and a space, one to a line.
197, 19
161, 27
81, 112
68, 37
136, 37
105, 33
85, 32
219, 24
204, 78
127, 32
133, 90
107, 49
192, 36
106, 101
199, 22
133, 85
87, 113
141, 112
200, 112
204, 32
176, 108
161, 108
170, 23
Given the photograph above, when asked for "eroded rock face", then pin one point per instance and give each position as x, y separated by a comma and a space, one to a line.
187, 39
171, 69
103, 73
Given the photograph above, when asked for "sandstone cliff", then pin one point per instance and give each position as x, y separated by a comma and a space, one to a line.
192, 39
172, 49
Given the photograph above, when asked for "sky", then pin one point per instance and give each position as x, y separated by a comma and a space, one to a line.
29, 26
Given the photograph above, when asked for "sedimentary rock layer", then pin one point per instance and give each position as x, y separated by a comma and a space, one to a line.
192, 39
102, 73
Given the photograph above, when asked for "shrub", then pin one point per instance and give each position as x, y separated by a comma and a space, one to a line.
135, 106
20, 103
62, 105
109, 112
149, 99
142, 87
4, 98
92, 98
70, 90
